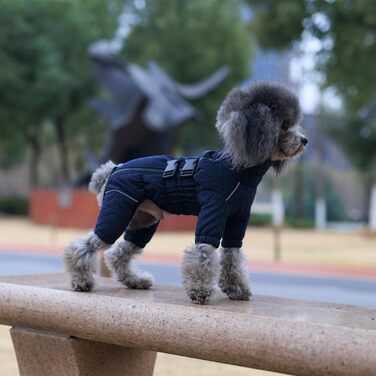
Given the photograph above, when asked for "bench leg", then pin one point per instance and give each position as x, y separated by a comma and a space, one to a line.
50, 354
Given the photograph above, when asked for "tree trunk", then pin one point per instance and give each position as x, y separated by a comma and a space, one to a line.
35, 154
366, 203
62, 150
372, 208
320, 202
298, 189
277, 219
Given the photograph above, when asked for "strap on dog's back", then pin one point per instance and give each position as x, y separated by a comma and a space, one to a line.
189, 167
187, 170
171, 168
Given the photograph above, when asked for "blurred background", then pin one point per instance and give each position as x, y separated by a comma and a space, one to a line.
85, 81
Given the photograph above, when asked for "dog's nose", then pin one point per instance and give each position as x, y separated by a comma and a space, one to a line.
304, 141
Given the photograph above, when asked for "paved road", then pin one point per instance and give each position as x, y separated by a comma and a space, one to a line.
360, 292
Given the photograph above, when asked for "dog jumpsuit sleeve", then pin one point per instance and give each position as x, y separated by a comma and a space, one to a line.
116, 212
235, 229
140, 237
211, 219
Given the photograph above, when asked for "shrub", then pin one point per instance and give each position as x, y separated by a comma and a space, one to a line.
299, 222
15, 205
260, 220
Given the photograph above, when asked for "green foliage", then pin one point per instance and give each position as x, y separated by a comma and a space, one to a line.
46, 75
191, 39
347, 32
43, 52
358, 138
12, 145
260, 220
299, 222
14, 205
45, 72
278, 23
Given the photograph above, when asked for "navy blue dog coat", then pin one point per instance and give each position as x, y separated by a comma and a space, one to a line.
206, 186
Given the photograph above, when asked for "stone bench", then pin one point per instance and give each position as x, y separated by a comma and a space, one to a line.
116, 331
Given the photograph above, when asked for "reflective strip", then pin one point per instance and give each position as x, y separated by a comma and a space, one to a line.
115, 190
138, 169
229, 196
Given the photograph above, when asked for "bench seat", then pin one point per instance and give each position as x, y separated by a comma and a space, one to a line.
275, 334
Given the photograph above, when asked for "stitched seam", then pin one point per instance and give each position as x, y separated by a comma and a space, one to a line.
138, 169
115, 190
229, 196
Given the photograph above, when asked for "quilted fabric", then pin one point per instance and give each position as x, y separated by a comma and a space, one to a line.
220, 196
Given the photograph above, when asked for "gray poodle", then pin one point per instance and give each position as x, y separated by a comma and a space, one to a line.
259, 128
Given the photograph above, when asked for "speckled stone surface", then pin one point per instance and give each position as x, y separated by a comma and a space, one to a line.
52, 354
283, 335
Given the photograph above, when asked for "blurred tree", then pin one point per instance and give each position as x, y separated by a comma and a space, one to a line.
190, 39
12, 143
46, 79
346, 31
336, 207
45, 73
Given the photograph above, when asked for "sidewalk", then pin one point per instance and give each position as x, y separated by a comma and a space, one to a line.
303, 251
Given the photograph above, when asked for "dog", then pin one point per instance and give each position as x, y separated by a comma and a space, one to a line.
259, 127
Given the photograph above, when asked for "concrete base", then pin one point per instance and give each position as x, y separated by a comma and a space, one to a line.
49, 354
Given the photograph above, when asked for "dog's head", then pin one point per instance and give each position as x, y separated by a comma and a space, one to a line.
259, 123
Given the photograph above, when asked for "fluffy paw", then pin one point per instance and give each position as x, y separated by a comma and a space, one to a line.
82, 282
143, 282
200, 295
81, 262
236, 292
200, 272
119, 260
233, 279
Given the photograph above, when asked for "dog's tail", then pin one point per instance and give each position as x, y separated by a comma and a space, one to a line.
99, 177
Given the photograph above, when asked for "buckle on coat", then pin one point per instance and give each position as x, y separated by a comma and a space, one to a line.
189, 167
170, 169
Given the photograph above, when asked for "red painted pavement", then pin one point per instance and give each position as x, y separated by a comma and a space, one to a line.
301, 269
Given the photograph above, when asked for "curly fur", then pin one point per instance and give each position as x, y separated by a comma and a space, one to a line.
279, 166
99, 179
80, 261
119, 259
233, 279
200, 272
251, 120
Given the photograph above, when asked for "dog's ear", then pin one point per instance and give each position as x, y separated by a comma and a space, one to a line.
249, 135
261, 133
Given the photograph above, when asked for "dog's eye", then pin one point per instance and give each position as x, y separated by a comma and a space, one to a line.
284, 126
